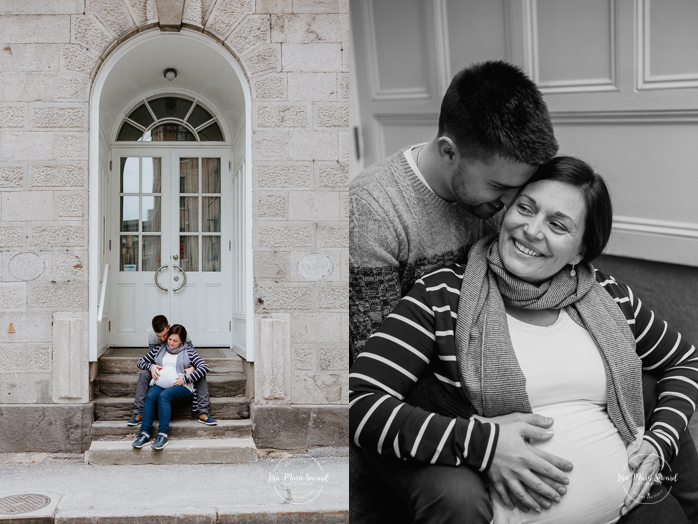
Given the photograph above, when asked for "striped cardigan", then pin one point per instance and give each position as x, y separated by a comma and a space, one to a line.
417, 338
200, 371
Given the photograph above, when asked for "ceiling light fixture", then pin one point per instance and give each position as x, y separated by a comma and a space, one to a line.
170, 74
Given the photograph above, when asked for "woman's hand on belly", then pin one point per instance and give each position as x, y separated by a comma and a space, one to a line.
521, 474
644, 464
179, 381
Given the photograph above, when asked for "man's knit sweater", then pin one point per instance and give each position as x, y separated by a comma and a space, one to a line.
398, 231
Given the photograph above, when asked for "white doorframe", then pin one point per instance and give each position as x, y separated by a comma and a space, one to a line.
95, 187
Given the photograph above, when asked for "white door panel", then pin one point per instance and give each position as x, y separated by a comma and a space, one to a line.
171, 223
126, 308
213, 321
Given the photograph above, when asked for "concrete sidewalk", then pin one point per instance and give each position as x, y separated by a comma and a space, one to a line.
310, 487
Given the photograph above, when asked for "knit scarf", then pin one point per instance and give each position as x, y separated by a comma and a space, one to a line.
488, 367
182, 356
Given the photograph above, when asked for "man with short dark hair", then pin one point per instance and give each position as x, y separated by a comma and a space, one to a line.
427, 204
200, 400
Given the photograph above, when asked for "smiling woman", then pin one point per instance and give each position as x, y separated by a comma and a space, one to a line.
537, 239
551, 360
563, 216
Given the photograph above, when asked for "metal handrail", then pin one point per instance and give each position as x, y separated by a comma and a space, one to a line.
103, 292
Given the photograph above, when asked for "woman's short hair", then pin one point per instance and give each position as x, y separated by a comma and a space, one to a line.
178, 329
493, 108
599, 210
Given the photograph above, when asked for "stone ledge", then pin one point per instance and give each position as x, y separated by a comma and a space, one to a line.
300, 426
182, 451
46, 428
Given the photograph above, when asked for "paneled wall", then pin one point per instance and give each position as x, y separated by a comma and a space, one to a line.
619, 76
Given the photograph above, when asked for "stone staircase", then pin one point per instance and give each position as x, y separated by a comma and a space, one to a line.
190, 442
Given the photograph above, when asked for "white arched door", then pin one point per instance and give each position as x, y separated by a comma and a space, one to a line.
170, 243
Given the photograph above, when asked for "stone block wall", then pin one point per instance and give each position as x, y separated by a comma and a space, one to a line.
43, 191
300, 127
295, 55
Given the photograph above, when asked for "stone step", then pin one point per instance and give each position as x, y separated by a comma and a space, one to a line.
180, 429
121, 408
123, 360
124, 385
177, 451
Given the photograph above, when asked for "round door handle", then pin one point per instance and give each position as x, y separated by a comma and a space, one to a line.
184, 278
157, 272
175, 257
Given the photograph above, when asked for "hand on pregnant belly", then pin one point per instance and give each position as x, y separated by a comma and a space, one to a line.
167, 377
520, 473
645, 464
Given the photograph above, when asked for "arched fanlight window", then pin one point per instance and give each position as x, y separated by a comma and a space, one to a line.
170, 118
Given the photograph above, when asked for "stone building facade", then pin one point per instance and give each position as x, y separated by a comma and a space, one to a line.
287, 142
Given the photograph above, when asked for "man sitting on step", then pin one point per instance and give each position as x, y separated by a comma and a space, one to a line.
199, 403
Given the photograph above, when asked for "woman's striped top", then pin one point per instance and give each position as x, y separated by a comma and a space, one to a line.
418, 338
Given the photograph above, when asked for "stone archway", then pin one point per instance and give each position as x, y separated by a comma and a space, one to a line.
115, 64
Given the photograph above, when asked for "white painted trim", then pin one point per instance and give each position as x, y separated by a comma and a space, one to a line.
645, 80
508, 33
249, 265
582, 85
530, 34
377, 132
404, 119
374, 88
650, 239
661, 116
642, 44
443, 46
593, 85
94, 179
103, 292
670, 82
684, 230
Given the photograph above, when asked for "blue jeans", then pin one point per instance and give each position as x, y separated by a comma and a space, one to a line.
162, 399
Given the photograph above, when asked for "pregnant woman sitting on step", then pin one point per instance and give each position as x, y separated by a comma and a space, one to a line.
171, 385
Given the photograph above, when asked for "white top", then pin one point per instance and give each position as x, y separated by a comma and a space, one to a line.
168, 373
565, 380
412, 161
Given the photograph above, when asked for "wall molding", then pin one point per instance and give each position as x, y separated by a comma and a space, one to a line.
374, 84
592, 85
443, 46
380, 121
645, 79
532, 60
658, 240
659, 116
684, 230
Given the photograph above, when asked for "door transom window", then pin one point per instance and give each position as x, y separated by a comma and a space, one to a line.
170, 118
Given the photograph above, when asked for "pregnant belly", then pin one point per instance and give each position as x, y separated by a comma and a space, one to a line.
585, 435
167, 376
